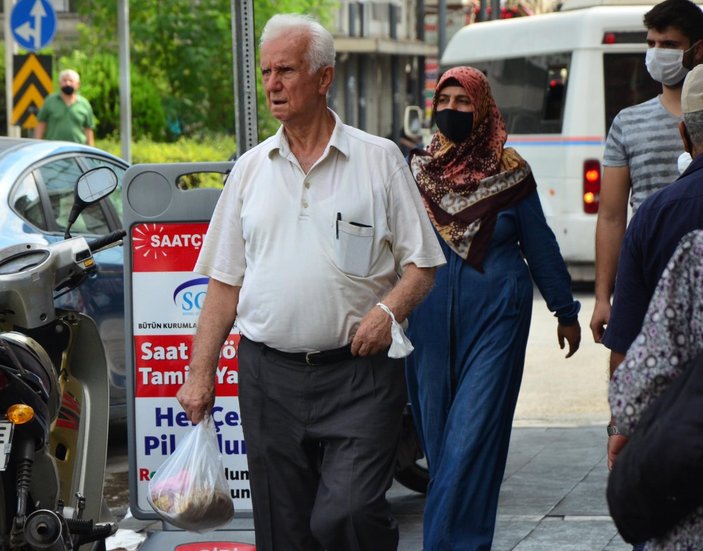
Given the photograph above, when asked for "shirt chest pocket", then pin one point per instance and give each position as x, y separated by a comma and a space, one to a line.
353, 247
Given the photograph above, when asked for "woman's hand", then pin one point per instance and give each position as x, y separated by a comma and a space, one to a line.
572, 333
616, 443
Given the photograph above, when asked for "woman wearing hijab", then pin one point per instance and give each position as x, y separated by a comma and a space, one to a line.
470, 333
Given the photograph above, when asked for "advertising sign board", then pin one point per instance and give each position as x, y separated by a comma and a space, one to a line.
166, 301
165, 230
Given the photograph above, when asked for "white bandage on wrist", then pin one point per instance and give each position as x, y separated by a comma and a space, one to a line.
400, 345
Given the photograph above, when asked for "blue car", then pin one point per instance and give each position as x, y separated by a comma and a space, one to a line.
37, 178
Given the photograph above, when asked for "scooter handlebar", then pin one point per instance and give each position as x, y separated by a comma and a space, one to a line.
100, 243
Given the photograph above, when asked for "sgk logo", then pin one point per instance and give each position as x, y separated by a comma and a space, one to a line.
190, 295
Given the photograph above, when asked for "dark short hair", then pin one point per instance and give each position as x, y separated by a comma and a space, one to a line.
683, 15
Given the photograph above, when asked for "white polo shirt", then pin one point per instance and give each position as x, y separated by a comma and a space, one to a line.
313, 253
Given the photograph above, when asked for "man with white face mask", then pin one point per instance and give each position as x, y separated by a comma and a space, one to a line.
649, 242
643, 144
641, 157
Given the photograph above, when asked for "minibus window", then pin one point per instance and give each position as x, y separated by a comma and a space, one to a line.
627, 83
530, 91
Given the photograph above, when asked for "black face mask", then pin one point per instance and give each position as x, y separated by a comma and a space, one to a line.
68, 90
455, 125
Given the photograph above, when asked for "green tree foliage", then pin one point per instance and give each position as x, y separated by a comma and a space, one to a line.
184, 47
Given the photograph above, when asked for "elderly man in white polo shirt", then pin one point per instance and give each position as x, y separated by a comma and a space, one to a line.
319, 247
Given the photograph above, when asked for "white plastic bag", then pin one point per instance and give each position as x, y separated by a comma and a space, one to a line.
189, 489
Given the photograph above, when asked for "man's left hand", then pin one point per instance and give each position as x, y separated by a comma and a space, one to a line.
373, 335
572, 334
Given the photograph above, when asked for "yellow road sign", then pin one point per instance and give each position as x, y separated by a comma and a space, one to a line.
31, 83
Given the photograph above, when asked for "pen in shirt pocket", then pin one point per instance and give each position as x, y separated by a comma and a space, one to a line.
336, 230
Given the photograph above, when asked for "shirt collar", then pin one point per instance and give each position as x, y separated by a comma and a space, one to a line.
339, 140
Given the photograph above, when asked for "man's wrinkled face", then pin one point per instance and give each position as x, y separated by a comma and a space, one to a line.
292, 92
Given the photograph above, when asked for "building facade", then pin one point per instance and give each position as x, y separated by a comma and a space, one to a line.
381, 57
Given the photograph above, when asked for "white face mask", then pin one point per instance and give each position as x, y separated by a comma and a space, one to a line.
664, 65
684, 161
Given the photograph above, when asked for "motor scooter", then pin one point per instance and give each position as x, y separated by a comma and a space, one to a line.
54, 392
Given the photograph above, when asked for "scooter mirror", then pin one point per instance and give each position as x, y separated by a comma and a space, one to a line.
91, 187
95, 184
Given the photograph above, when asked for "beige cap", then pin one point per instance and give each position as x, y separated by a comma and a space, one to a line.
692, 93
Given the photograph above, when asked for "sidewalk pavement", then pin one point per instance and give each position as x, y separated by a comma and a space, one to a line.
552, 498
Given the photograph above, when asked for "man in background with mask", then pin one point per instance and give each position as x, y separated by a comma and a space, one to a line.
650, 240
66, 115
641, 157
643, 144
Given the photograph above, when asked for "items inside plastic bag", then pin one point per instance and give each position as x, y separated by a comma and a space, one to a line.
189, 490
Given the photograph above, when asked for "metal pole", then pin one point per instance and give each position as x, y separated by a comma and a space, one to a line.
495, 9
244, 58
10, 48
441, 27
395, 75
420, 30
362, 68
125, 81
483, 12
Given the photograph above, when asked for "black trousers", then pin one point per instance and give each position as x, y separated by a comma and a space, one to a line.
321, 443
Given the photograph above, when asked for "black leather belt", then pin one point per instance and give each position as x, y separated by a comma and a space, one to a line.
317, 357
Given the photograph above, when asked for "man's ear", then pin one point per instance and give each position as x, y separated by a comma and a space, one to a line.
693, 55
326, 78
687, 143
697, 56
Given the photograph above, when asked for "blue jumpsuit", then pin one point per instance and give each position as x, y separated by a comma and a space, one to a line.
470, 336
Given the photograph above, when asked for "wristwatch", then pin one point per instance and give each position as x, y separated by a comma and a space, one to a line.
612, 429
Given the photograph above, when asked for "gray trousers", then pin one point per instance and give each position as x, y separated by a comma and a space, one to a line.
321, 444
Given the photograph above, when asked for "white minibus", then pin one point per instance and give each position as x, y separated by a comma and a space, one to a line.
559, 80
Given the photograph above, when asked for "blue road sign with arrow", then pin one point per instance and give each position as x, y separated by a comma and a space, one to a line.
33, 23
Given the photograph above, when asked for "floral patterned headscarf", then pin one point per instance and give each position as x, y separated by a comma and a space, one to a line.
462, 166
465, 185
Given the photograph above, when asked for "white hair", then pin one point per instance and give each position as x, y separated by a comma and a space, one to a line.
320, 52
694, 127
71, 73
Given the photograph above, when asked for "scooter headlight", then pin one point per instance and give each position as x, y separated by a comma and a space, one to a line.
19, 414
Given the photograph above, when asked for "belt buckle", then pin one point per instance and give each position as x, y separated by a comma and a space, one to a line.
310, 357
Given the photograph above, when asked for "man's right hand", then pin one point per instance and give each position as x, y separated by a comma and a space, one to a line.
197, 395
616, 443
600, 318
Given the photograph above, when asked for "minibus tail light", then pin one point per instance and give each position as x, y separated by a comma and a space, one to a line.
591, 186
